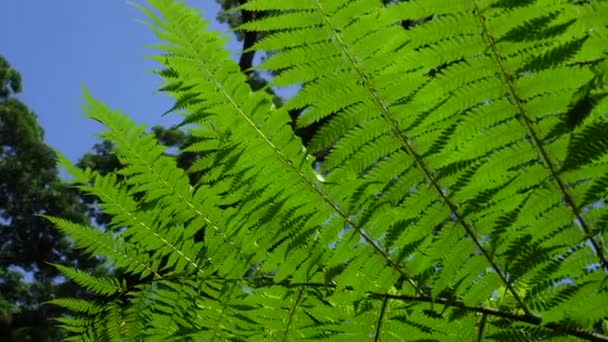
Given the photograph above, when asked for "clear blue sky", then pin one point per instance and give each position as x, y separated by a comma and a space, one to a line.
59, 45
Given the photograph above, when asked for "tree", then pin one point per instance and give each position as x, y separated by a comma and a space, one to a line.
30, 186
463, 197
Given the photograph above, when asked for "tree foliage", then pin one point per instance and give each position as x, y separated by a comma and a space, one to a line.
463, 196
30, 186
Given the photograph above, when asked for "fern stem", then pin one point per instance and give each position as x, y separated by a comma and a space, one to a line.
267, 281
221, 316
292, 313
527, 121
449, 302
525, 318
380, 318
418, 159
482, 325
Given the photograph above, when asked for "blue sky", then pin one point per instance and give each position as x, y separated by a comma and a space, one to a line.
59, 45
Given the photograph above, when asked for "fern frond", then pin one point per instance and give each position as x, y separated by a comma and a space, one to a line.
95, 242
463, 196
77, 305
250, 115
475, 116
99, 285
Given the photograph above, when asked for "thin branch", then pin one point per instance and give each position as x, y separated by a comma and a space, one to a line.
249, 38
380, 317
216, 329
260, 281
482, 326
292, 312
524, 318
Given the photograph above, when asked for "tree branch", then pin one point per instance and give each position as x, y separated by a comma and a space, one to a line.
249, 38
260, 281
524, 318
380, 319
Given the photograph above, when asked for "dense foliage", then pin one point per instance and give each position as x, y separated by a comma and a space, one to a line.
29, 186
463, 196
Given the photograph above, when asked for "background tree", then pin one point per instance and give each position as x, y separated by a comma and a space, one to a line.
30, 186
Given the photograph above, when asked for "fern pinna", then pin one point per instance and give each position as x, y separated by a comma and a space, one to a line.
463, 196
